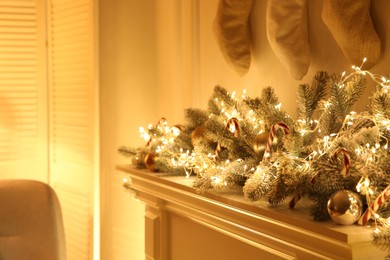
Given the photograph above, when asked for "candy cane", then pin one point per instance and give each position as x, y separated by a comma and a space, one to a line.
217, 150
176, 130
272, 133
162, 121
346, 164
295, 199
233, 126
374, 206
347, 161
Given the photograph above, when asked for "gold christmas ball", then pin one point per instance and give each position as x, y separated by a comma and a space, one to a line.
260, 142
150, 162
345, 207
197, 134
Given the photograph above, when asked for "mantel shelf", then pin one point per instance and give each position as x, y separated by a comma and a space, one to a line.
274, 233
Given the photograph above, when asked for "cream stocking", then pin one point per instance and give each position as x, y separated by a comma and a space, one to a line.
287, 33
351, 25
231, 28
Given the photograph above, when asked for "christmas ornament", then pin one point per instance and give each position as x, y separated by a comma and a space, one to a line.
345, 207
150, 161
260, 142
197, 135
232, 32
374, 206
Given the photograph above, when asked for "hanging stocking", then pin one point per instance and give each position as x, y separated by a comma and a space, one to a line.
351, 25
231, 28
288, 34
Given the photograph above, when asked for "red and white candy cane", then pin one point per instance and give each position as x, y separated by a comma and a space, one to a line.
346, 163
217, 150
271, 137
295, 199
162, 122
374, 206
346, 160
233, 126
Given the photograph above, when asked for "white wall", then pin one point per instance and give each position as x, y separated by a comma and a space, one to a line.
127, 92
158, 57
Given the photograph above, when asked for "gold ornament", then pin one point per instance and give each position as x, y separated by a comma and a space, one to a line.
345, 207
197, 135
150, 162
260, 142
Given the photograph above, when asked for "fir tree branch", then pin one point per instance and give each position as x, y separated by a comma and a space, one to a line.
309, 96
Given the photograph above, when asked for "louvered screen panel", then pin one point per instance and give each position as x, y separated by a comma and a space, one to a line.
76, 220
72, 124
23, 151
71, 81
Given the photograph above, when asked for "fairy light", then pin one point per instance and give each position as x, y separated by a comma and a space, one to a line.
243, 96
175, 131
232, 128
327, 104
144, 135
326, 141
215, 179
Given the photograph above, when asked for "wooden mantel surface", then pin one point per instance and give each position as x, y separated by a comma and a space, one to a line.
292, 232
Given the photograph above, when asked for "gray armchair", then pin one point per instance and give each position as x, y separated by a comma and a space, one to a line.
31, 224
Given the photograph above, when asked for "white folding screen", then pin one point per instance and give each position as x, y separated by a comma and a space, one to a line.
23, 90
49, 108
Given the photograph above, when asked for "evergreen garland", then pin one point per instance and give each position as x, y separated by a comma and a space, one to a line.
224, 146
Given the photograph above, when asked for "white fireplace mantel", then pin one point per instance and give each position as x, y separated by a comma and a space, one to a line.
181, 224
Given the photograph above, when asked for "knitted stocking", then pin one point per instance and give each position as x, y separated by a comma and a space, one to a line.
287, 33
351, 25
231, 28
